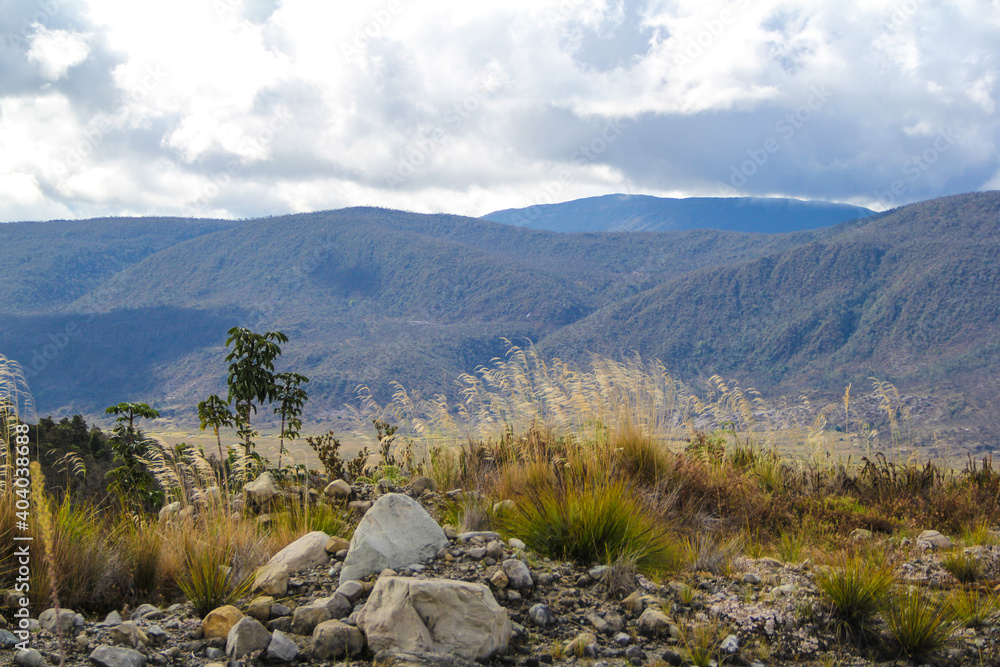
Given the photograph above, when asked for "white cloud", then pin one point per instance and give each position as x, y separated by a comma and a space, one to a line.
56, 51
381, 102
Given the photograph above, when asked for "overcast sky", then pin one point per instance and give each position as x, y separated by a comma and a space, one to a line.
244, 108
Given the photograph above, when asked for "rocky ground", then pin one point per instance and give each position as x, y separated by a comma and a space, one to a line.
762, 612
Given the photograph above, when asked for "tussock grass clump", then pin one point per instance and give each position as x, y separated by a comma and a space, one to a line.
709, 552
89, 571
588, 519
142, 553
702, 642
974, 608
918, 624
856, 588
964, 566
210, 578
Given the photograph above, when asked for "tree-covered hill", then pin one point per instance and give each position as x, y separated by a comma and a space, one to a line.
103, 310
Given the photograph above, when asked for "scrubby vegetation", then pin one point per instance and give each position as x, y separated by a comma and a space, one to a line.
616, 464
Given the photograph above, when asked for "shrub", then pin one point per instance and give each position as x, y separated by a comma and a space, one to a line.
918, 625
856, 588
587, 519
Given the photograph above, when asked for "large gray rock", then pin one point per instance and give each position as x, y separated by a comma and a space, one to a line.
247, 636
335, 639
117, 656
262, 489
307, 552
434, 616
394, 533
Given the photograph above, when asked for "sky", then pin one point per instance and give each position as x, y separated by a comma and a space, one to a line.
249, 108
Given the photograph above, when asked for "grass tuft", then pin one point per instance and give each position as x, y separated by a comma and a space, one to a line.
591, 520
856, 588
918, 625
963, 566
974, 608
209, 579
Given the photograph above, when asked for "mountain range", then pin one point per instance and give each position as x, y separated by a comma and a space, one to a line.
643, 213
106, 310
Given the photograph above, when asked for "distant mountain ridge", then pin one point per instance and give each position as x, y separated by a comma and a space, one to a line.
106, 310
646, 213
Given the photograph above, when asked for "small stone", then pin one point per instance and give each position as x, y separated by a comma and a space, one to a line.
518, 574
220, 621
283, 623
614, 621
672, 658
65, 620
337, 544
499, 580
579, 644
477, 553
359, 507
157, 634
262, 489
338, 489
730, 644
305, 619
860, 534
932, 539
541, 615
334, 639
599, 623
515, 543
28, 658
495, 549
583, 581
751, 578
281, 648
634, 603
622, 639
113, 618
449, 531
247, 636
117, 656
597, 573
653, 622
279, 610
634, 653
260, 608
7, 640
352, 590
128, 633
513, 596
420, 484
